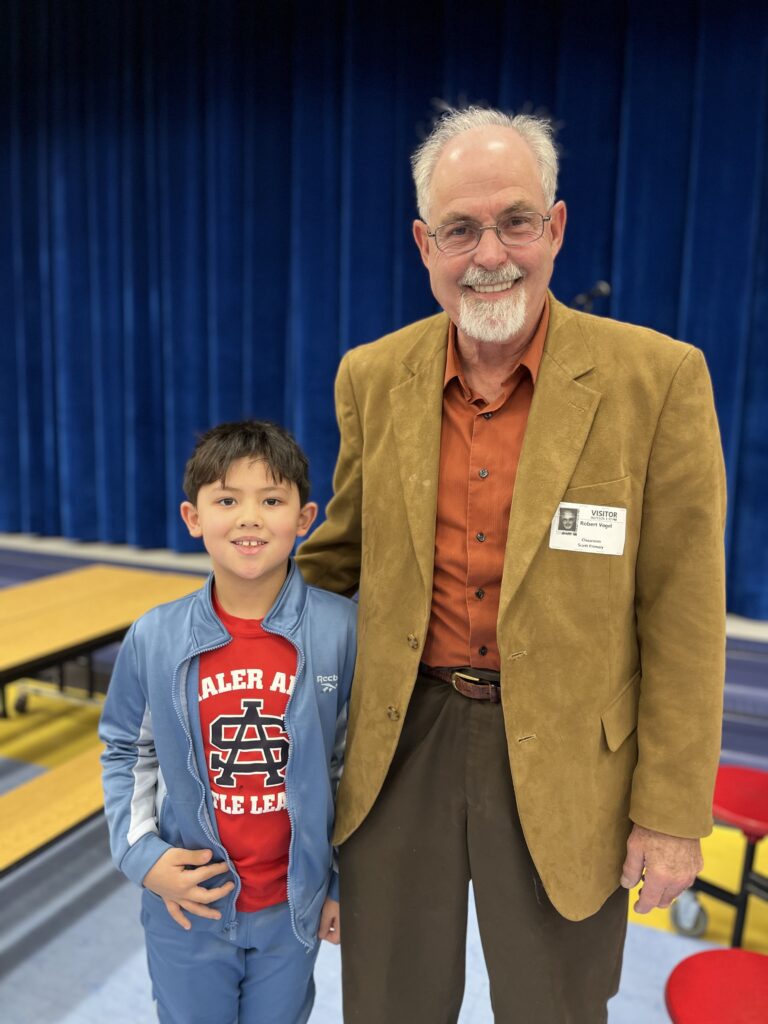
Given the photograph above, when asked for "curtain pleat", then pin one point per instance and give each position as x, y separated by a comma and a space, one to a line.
652, 173
205, 203
725, 195
12, 496
748, 464
312, 340
591, 140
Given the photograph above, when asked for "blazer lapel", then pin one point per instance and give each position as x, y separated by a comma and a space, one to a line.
558, 426
417, 404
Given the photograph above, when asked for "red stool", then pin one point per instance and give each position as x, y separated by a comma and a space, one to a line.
719, 986
741, 800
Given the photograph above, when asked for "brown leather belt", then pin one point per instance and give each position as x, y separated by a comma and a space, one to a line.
476, 683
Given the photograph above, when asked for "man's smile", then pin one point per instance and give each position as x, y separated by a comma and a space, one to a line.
499, 282
487, 289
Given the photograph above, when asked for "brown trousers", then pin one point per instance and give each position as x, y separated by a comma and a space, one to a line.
447, 815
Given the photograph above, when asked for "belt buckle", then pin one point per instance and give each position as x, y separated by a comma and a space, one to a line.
464, 677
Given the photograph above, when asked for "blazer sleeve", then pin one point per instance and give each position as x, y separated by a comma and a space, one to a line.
330, 557
680, 609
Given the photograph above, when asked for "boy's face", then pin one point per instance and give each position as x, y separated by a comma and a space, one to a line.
249, 523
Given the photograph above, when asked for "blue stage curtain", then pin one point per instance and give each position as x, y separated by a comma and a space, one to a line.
203, 204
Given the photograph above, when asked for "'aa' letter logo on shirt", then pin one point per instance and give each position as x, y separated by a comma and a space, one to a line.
249, 733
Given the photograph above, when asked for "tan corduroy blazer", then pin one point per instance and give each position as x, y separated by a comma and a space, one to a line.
611, 666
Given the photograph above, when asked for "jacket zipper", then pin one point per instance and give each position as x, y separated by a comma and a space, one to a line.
179, 702
288, 802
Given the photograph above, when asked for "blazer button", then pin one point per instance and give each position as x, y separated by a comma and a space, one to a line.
392, 713
413, 641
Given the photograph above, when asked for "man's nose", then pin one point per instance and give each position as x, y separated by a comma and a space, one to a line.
491, 251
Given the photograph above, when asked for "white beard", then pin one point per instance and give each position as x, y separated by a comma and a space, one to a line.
497, 321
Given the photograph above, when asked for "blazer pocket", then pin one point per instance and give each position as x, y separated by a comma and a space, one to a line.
604, 492
620, 717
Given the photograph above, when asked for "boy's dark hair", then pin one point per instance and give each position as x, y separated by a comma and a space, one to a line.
220, 446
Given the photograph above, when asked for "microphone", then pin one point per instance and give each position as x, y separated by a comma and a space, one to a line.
584, 300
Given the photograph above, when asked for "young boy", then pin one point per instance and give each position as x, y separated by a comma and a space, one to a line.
224, 727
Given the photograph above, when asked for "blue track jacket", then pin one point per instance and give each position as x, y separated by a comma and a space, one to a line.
156, 790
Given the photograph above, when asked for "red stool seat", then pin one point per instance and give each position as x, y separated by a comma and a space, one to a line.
719, 986
741, 799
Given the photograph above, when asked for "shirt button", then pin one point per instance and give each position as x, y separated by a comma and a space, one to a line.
480, 594
392, 713
483, 650
480, 537
483, 474
487, 415
413, 642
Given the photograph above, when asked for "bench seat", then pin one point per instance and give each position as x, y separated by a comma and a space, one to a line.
45, 808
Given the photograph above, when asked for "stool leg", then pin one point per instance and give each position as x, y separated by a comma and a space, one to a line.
743, 895
91, 675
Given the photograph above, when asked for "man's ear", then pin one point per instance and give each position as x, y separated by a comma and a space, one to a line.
307, 516
557, 226
421, 238
191, 518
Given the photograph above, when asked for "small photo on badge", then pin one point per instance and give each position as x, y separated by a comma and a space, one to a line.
568, 520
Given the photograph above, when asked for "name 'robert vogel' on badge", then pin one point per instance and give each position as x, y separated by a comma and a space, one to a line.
588, 529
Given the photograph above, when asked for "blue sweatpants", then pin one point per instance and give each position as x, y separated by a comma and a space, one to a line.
262, 976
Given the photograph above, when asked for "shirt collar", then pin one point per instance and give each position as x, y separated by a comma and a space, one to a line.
531, 358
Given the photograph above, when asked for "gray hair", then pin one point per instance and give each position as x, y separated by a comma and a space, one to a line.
538, 132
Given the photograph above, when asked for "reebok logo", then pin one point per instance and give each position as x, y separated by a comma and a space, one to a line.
328, 683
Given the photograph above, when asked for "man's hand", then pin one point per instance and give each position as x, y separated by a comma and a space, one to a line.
177, 877
330, 927
666, 864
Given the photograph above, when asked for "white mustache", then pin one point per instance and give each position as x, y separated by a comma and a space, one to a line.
477, 275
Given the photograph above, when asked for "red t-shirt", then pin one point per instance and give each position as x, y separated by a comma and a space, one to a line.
243, 693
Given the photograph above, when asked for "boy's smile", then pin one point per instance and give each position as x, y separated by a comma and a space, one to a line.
248, 522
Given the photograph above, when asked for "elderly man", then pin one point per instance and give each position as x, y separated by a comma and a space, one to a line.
536, 707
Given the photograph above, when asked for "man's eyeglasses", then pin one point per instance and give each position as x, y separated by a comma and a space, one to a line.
514, 229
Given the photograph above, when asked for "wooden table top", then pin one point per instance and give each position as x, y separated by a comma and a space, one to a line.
57, 613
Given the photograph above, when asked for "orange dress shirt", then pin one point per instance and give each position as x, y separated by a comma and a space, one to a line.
480, 447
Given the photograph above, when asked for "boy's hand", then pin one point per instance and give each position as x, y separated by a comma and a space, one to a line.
177, 877
330, 927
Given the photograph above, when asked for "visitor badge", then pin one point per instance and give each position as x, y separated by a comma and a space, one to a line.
591, 529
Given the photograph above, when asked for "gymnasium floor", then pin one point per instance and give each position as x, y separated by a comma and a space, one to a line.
71, 948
